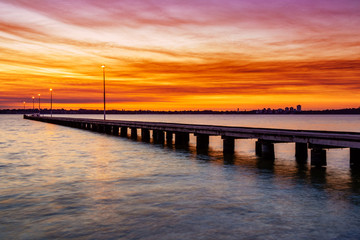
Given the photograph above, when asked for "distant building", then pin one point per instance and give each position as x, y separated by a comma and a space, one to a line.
280, 110
298, 108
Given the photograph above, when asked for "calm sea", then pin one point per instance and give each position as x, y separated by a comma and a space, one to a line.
58, 182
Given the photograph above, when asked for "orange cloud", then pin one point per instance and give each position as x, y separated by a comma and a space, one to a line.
181, 54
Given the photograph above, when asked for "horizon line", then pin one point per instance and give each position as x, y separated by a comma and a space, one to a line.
189, 110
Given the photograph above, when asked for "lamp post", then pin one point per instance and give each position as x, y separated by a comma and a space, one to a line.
33, 98
51, 102
39, 103
24, 106
103, 68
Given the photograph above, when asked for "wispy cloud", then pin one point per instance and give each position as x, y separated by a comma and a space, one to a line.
176, 51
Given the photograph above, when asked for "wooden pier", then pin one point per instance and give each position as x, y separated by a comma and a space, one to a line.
317, 141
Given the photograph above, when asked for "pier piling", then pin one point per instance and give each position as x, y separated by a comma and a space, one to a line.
318, 157
158, 136
202, 141
258, 148
169, 137
355, 158
228, 145
145, 135
124, 132
182, 138
301, 152
108, 129
101, 128
134, 133
115, 131
267, 150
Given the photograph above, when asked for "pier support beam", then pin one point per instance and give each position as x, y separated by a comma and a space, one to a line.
182, 138
301, 152
134, 133
318, 157
123, 131
228, 145
145, 135
355, 158
158, 136
169, 137
202, 141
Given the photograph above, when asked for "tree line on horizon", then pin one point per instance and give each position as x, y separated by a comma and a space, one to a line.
88, 111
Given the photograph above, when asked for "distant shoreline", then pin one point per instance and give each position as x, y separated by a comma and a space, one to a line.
86, 111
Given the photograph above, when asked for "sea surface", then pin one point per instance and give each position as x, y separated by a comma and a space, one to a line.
63, 183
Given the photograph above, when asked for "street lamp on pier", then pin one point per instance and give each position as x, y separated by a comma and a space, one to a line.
103, 68
33, 98
24, 106
51, 101
39, 103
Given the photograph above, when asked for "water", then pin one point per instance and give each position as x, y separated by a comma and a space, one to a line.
59, 182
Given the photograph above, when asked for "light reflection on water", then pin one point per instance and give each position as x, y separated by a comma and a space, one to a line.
59, 182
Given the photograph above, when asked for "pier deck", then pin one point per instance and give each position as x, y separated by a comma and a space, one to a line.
317, 141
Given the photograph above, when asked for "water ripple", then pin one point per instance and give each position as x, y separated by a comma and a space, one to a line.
57, 183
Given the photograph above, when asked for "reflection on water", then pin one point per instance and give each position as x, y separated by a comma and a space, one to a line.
58, 182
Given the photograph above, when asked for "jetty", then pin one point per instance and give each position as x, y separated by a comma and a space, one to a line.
179, 134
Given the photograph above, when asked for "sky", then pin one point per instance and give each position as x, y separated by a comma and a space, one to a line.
180, 54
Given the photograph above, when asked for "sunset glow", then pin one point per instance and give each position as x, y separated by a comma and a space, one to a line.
180, 55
